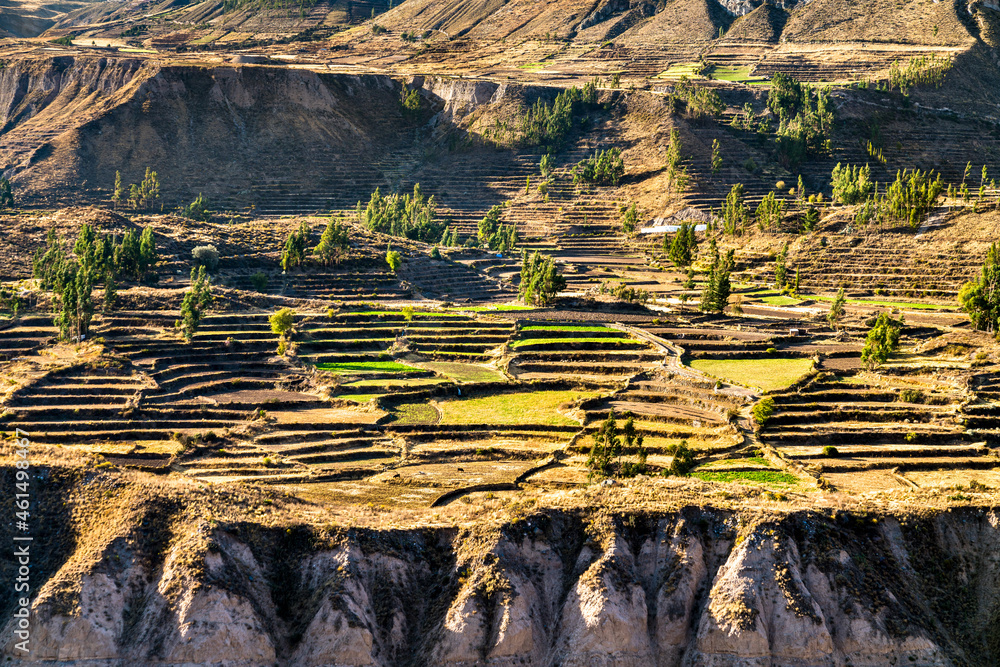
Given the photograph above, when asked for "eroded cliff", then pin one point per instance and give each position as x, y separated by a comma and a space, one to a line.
151, 572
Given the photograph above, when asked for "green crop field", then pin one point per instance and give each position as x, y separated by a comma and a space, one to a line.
734, 74
767, 374
465, 372
349, 367
566, 328
755, 476
562, 341
780, 300
535, 407
888, 304
415, 413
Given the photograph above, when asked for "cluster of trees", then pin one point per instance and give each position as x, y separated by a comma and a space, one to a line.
715, 297
141, 196
495, 235
805, 118
6, 195
540, 279
908, 199
548, 125
611, 445
409, 101
296, 248
450, 238
332, 245
919, 71
852, 184
769, 212
735, 213
684, 248
196, 299
981, 298
71, 277
603, 168
410, 216
699, 101
623, 292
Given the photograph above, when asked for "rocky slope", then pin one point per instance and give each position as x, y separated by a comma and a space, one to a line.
147, 571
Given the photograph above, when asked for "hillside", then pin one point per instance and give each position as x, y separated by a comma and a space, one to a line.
501, 333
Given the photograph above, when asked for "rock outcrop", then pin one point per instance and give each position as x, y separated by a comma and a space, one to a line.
695, 588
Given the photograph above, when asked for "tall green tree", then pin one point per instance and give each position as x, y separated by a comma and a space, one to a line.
147, 253
196, 299
6, 194
981, 298
333, 243
296, 245
540, 279
836, 309
881, 343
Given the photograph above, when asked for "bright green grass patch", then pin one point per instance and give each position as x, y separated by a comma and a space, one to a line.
359, 398
535, 407
780, 300
888, 304
465, 372
730, 463
735, 74
767, 374
383, 313
690, 70
563, 341
531, 66
415, 413
395, 382
565, 328
347, 367
487, 309
755, 476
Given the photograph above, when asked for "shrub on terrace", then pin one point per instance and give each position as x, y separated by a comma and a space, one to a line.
206, 256
410, 216
282, 324
762, 410
197, 210
683, 461
394, 260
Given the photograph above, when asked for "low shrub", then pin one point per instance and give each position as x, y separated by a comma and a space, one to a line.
830, 451
763, 410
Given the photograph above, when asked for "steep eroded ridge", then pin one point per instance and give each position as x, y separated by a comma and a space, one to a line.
206, 575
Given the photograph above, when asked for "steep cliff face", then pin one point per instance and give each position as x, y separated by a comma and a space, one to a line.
163, 584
